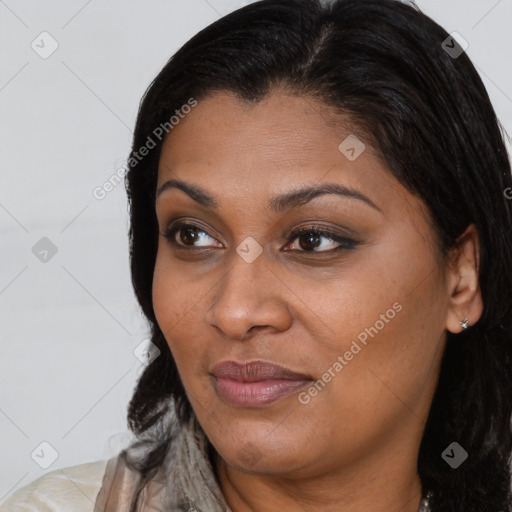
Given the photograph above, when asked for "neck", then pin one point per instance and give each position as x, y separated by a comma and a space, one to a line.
368, 484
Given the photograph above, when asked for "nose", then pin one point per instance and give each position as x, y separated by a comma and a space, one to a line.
249, 298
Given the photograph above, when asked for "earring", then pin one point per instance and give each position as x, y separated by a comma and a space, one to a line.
464, 323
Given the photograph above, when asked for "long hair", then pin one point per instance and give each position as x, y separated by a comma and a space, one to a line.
393, 71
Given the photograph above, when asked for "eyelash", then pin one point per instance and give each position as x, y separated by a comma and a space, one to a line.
345, 242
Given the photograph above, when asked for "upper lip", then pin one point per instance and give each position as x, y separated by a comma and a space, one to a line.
254, 371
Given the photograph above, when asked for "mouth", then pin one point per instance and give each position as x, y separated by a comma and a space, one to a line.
255, 383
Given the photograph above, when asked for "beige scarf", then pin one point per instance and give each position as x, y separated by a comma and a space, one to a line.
184, 482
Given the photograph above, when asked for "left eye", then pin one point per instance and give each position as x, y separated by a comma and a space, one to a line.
310, 239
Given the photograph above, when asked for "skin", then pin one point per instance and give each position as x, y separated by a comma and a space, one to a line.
354, 446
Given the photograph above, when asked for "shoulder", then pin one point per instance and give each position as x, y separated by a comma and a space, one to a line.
72, 488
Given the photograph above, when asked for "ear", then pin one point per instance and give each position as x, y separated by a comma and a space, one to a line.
465, 297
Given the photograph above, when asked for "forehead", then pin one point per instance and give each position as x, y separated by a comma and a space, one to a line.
240, 150
280, 133
296, 119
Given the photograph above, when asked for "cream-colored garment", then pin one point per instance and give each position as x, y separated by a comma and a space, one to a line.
71, 489
184, 482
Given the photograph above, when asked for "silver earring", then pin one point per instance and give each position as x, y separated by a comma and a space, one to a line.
464, 323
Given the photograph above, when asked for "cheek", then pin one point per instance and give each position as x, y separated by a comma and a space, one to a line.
400, 350
165, 303
170, 299
179, 304
386, 314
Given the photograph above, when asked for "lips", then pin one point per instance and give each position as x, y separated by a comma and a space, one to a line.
255, 383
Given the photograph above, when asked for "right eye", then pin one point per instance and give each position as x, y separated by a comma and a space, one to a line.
188, 235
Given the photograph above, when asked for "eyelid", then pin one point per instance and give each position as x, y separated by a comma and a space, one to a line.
317, 226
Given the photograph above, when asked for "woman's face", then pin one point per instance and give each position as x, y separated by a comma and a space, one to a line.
358, 314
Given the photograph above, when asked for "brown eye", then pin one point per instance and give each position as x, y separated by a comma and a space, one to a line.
190, 235
310, 239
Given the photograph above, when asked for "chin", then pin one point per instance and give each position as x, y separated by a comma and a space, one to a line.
262, 453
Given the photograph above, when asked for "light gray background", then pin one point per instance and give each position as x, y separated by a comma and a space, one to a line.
68, 327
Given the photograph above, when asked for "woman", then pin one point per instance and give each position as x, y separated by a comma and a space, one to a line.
321, 243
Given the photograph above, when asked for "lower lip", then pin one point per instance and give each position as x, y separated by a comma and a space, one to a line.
255, 394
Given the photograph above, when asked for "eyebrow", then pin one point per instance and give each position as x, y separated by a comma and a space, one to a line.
280, 203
